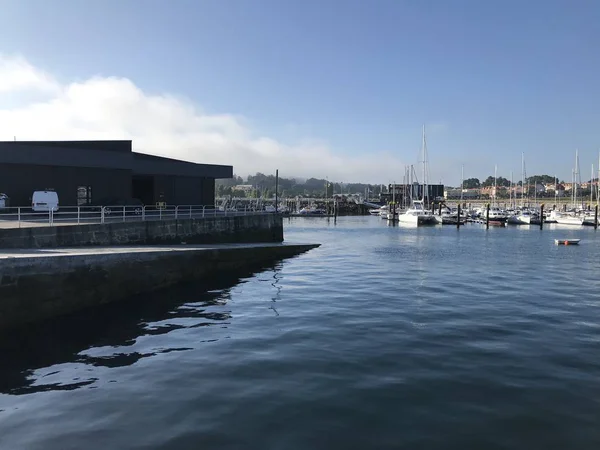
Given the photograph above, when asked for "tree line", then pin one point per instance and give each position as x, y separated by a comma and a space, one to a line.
264, 186
474, 183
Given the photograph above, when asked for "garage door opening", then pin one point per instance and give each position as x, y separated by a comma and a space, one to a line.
143, 189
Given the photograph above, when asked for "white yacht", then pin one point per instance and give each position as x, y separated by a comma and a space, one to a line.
519, 218
566, 218
417, 215
589, 219
496, 215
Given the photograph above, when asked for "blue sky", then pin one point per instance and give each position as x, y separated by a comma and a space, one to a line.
489, 79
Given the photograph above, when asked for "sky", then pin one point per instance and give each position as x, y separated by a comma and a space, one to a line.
314, 88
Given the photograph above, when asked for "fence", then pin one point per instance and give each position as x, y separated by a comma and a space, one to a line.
13, 217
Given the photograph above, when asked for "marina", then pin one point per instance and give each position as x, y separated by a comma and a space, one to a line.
418, 203
476, 312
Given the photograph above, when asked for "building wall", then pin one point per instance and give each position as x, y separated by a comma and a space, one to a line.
18, 181
179, 190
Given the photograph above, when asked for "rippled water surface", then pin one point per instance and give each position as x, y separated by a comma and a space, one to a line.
383, 337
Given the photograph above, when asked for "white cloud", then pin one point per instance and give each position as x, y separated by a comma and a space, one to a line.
166, 125
16, 74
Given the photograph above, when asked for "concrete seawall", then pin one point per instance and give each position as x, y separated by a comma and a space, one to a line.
209, 230
38, 285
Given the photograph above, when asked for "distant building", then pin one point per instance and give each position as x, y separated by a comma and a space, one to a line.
244, 187
455, 193
495, 191
452, 193
415, 191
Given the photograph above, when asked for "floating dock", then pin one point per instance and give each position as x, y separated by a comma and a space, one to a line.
308, 215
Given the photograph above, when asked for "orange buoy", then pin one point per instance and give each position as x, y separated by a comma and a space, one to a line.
566, 242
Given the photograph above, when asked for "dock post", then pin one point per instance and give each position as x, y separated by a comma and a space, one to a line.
596, 217
440, 209
457, 216
276, 189
542, 216
487, 216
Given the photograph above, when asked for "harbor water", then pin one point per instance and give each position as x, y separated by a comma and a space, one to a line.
384, 337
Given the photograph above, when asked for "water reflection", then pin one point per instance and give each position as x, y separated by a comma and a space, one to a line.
275, 284
40, 357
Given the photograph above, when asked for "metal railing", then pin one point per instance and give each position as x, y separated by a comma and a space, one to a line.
20, 216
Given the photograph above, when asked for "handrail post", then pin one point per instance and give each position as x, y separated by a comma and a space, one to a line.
176, 210
124, 208
191, 206
78, 214
159, 213
51, 217
102, 214
144, 213
19, 216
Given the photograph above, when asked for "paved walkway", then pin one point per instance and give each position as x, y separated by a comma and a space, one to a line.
53, 252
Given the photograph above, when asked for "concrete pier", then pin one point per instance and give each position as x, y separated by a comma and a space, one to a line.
208, 230
38, 284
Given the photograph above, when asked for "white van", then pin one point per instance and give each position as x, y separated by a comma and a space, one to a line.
44, 201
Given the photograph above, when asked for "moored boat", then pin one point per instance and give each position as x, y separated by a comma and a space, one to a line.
567, 241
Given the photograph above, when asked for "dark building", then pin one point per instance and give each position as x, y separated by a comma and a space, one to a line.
415, 191
82, 172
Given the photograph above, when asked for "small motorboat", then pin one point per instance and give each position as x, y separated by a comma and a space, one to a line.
566, 241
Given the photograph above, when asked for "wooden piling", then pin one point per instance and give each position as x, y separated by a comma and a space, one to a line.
542, 216
457, 216
596, 217
487, 216
440, 210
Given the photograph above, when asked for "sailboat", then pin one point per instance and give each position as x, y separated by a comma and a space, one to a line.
522, 217
573, 218
416, 214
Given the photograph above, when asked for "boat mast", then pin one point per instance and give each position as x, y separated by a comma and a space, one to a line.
522, 179
424, 163
495, 184
412, 184
573, 187
575, 174
510, 197
462, 182
526, 182
592, 186
393, 200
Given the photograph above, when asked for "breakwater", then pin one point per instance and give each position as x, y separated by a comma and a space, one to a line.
38, 285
